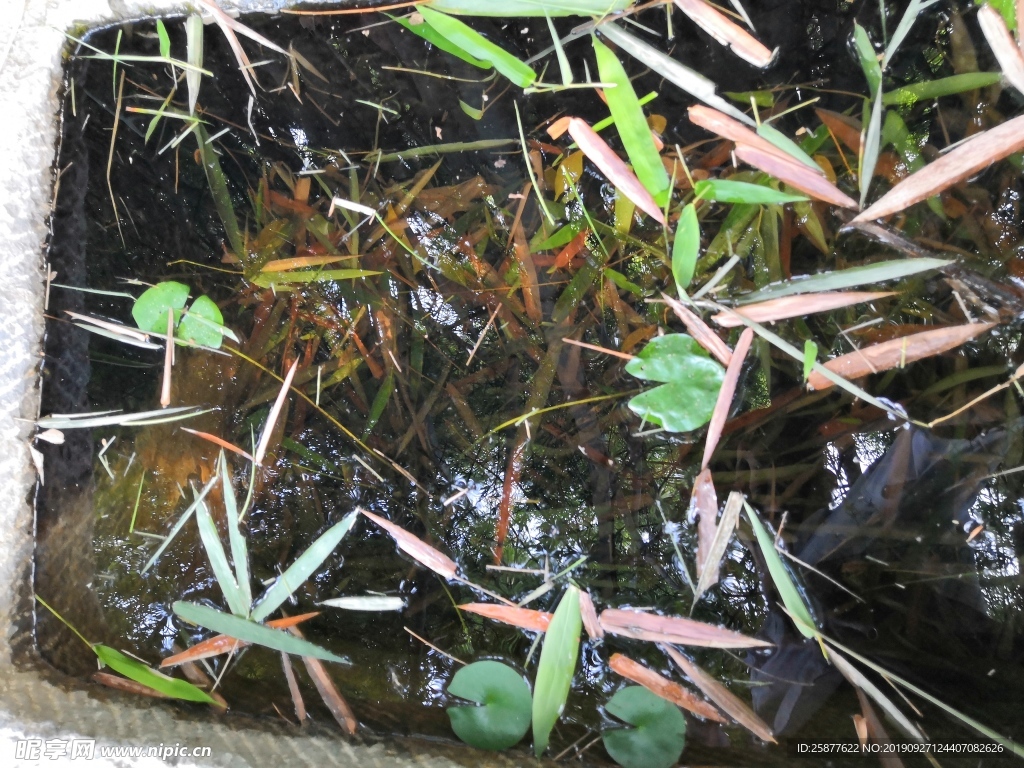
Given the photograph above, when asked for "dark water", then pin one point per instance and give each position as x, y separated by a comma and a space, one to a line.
882, 510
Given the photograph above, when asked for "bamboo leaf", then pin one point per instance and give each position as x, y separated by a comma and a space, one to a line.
194, 53
439, 41
556, 667
796, 174
879, 272
164, 38
524, 618
724, 191
810, 357
106, 418
661, 686
774, 310
674, 629
685, 248
928, 90
239, 549
868, 60
219, 561
903, 28
475, 45
420, 551
722, 125
1008, 53
180, 524
869, 157
297, 573
563, 61
792, 150
375, 603
220, 644
716, 550
859, 680
632, 124
218, 183
140, 673
268, 280
527, 8
727, 32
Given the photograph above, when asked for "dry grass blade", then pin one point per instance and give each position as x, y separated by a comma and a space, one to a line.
614, 169
858, 680
275, 411
722, 125
165, 387
716, 549
1009, 56
727, 32
700, 331
329, 692
293, 688
897, 352
589, 615
797, 306
224, 20
128, 686
876, 731
704, 502
420, 551
975, 154
524, 618
663, 687
219, 644
731, 704
219, 441
725, 395
674, 629
796, 174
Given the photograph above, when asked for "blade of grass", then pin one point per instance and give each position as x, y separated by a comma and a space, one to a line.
727, 32
725, 395
879, 272
219, 191
194, 53
297, 573
275, 412
869, 155
180, 524
438, 40
563, 61
219, 561
903, 28
555, 669
724, 191
929, 90
868, 59
142, 674
239, 548
101, 419
858, 680
474, 44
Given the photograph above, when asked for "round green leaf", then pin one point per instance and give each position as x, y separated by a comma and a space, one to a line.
503, 716
150, 310
691, 382
201, 324
659, 736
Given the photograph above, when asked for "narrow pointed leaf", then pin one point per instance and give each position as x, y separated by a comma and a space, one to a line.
727, 32
724, 191
180, 524
674, 629
239, 550
790, 148
219, 561
719, 543
872, 139
439, 41
303, 567
774, 310
858, 680
879, 272
220, 644
140, 673
479, 47
700, 331
418, 550
164, 38
563, 61
556, 667
1008, 54
685, 248
810, 357
928, 90
704, 504
663, 687
525, 618
376, 603
795, 174
722, 125
194, 46
589, 615
868, 60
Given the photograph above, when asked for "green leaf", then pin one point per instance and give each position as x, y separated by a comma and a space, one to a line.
658, 739
1007, 8
770, 133
563, 60
621, 281
250, 631
219, 561
140, 673
685, 248
561, 236
632, 124
268, 279
179, 524
503, 716
435, 38
869, 155
868, 59
909, 95
556, 667
218, 184
202, 324
691, 382
380, 402
784, 582
150, 310
474, 44
473, 112
239, 549
303, 567
910, 15
722, 191
762, 99
878, 272
810, 357
165, 39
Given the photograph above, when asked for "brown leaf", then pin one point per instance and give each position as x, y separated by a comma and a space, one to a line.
876, 731
973, 155
727, 32
674, 629
663, 687
700, 331
418, 550
589, 616
796, 174
725, 395
842, 127
704, 502
731, 704
796, 306
524, 618
218, 441
728, 128
126, 685
708, 576
1009, 56
328, 691
219, 644
615, 170
293, 688
897, 352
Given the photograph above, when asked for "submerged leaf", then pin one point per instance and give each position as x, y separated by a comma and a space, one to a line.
658, 739
723, 191
556, 667
685, 248
674, 629
503, 716
796, 174
719, 542
663, 687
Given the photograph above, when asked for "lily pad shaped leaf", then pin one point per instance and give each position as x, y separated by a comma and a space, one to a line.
503, 716
658, 739
202, 323
691, 380
150, 310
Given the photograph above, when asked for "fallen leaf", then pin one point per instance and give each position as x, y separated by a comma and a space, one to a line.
797, 306
418, 550
219, 644
700, 331
524, 618
973, 155
875, 731
727, 32
1009, 56
731, 704
796, 174
725, 395
614, 169
275, 411
293, 688
704, 502
715, 550
897, 352
842, 127
128, 686
219, 441
589, 615
663, 687
722, 125
674, 629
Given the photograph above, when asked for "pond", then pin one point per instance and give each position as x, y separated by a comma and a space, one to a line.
436, 348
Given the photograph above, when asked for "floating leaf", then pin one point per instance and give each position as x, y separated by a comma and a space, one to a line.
589, 615
202, 324
366, 603
674, 629
691, 381
727, 32
929, 90
297, 573
140, 673
631, 124
418, 550
219, 644
658, 739
663, 687
879, 272
685, 248
441, 42
704, 504
723, 191
792, 306
556, 667
719, 542
790, 148
722, 125
194, 53
267, 280
796, 174
524, 618
479, 47
150, 310
250, 632
503, 716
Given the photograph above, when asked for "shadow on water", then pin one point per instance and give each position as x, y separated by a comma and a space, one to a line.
431, 362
